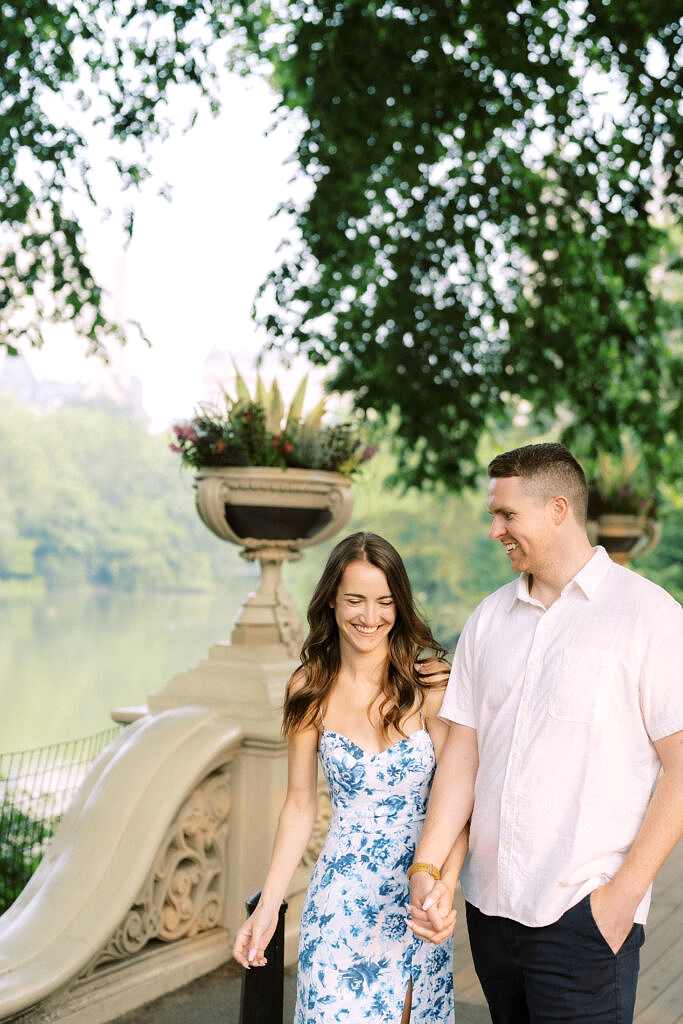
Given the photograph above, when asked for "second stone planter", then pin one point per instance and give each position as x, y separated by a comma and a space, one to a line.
625, 537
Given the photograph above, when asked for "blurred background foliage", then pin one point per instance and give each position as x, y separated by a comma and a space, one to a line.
91, 499
491, 198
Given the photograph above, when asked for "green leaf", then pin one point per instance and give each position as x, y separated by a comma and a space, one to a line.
241, 389
275, 409
296, 408
315, 416
261, 394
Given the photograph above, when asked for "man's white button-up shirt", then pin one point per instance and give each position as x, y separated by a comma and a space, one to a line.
567, 703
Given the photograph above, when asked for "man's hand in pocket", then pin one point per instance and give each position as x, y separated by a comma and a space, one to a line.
612, 914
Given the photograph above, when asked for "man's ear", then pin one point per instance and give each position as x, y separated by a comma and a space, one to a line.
559, 509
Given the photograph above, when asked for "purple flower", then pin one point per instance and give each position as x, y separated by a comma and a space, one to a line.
185, 432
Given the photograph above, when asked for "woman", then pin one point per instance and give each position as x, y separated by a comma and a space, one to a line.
359, 702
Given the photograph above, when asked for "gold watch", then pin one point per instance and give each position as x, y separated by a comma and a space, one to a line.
429, 869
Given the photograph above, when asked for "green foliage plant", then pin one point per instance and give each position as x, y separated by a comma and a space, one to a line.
259, 431
22, 844
664, 564
479, 227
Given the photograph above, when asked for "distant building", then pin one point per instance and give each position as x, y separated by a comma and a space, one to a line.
218, 374
111, 388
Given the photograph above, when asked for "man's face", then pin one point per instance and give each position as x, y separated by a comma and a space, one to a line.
521, 522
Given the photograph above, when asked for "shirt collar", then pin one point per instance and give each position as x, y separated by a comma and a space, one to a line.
594, 571
521, 591
587, 579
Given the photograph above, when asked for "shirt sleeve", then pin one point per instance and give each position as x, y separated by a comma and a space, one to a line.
661, 677
458, 701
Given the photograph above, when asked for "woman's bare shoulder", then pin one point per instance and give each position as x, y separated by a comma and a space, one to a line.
297, 681
434, 672
433, 701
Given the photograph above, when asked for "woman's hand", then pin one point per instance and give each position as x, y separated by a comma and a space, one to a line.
254, 935
437, 922
433, 671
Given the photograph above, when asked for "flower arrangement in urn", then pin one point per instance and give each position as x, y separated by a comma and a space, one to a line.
622, 503
272, 480
621, 485
257, 430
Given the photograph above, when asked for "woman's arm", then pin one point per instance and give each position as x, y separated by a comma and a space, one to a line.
452, 866
443, 894
297, 816
293, 833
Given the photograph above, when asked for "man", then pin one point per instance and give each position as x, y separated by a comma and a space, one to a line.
565, 701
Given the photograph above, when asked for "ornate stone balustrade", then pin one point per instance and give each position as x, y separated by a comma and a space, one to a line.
144, 885
131, 898
184, 893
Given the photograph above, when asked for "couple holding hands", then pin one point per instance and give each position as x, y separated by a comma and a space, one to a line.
546, 776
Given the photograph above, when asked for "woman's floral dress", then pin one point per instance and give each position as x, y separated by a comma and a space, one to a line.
356, 952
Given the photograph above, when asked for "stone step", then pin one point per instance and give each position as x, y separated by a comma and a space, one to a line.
215, 999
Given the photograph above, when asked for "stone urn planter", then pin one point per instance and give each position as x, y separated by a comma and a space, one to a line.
622, 501
625, 537
272, 514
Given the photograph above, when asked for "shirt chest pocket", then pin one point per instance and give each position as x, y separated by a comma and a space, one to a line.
578, 679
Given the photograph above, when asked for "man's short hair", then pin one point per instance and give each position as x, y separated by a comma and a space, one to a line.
550, 470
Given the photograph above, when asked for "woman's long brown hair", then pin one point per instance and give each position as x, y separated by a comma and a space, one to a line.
401, 686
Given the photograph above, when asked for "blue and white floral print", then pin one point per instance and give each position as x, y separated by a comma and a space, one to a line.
356, 952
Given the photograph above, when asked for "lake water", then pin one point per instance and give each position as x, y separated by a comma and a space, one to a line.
67, 658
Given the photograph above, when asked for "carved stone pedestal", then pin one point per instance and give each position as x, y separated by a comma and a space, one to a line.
247, 683
272, 514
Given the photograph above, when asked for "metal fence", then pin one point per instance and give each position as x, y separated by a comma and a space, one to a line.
36, 787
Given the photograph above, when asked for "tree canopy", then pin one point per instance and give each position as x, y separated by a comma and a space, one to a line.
68, 67
491, 191
492, 185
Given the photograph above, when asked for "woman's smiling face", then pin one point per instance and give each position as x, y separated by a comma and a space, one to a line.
364, 608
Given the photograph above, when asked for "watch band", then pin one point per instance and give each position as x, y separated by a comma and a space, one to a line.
429, 869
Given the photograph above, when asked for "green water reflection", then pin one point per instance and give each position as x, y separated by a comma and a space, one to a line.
67, 658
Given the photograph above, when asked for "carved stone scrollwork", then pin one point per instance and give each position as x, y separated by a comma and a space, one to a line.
289, 624
184, 890
321, 826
